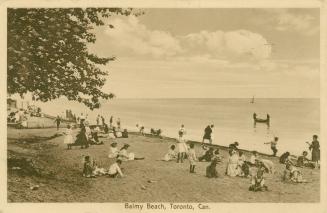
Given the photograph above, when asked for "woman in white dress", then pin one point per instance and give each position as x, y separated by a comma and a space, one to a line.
69, 137
232, 164
181, 145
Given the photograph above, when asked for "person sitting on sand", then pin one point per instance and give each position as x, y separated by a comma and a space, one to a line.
125, 156
233, 146
242, 167
88, 167
114, 169
232, 164
211, 170
268, 165
94, 139
192, 158
303, 161
258, 182
284, 158
204, 149
273, 146
293, 174
69, 137
171, 154
207, 156
216, 155
253, 158
113, 151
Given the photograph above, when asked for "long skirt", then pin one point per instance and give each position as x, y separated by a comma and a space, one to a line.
315, 155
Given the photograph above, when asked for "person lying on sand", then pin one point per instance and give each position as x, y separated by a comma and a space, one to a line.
293, 174
258, 182
125, 156
114, 169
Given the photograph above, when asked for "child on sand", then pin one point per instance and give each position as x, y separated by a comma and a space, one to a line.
258, 182
273, 146
303, 161
253, 158
192, 158
182, 148
69, 137
171, 154
114, 169
113, 151
293, 174
242, 167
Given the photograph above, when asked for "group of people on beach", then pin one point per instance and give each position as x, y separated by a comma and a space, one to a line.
90, 134
237, 163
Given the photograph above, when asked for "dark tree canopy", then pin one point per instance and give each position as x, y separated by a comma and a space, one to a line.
48, 55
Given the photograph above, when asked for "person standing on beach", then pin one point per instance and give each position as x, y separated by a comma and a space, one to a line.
182, 148
111, 120
82, 119
273, 146
315, 151
192, 158
118, 123
98, 120
103, 121
208, 133
58, 121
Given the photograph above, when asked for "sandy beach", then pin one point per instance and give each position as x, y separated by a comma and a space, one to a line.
44, 161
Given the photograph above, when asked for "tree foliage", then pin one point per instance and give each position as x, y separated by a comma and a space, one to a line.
48, 56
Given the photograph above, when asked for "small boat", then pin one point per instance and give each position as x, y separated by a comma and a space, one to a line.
261, 120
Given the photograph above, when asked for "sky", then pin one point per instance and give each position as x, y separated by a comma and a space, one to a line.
212, 53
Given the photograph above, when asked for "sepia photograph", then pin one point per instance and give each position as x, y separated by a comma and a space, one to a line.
158, 108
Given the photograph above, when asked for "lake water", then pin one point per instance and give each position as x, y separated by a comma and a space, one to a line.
294, 121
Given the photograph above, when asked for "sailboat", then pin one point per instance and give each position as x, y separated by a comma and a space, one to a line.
252, 101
